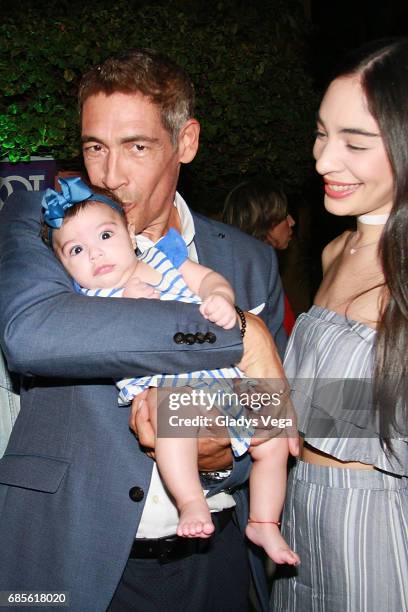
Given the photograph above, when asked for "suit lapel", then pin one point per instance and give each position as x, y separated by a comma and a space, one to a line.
214, 247
220, 249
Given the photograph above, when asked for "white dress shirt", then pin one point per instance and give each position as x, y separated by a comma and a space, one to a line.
160, 515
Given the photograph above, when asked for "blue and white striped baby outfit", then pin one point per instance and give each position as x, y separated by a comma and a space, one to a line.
168, 254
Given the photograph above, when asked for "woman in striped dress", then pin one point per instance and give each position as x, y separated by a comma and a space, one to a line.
346, 510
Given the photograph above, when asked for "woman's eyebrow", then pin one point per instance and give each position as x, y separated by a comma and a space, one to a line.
359, 132
356, 131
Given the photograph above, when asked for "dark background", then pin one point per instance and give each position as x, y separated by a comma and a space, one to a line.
337, 26
334, 27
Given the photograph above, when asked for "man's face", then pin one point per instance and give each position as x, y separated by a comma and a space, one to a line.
128, 151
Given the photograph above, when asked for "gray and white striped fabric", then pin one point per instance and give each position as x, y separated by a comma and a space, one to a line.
349, 527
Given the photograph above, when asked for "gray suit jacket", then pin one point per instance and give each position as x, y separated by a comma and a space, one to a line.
9, 402
66, 518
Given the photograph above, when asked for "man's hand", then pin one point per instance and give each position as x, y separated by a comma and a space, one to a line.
140, 422
213, 453
261, 358
261, 361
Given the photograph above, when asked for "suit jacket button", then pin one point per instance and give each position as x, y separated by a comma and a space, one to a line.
190, 338
200, 337
179, 338
210, 337
136, 494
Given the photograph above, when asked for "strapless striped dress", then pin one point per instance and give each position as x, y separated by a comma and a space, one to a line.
349, 527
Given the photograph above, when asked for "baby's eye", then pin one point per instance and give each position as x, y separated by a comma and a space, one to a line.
75, 250
105, 235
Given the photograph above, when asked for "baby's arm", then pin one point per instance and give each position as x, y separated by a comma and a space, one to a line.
140, 283
215, 291
136, 288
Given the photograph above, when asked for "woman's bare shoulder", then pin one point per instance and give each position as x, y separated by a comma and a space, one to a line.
332, 250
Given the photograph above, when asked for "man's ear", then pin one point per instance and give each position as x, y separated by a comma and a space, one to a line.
131, 230
188, 141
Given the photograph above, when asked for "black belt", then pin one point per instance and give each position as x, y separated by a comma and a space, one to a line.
174, 547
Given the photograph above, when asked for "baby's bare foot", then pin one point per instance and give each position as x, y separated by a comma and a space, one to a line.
269, 537
195, 520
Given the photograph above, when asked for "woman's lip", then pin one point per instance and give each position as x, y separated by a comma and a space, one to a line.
327, 180
337, 190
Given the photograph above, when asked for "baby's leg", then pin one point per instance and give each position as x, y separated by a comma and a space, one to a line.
177, 462
267, 487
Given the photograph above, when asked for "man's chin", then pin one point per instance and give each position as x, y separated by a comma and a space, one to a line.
127, 206
132, 214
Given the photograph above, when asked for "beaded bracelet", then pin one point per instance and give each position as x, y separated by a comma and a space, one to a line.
242, 318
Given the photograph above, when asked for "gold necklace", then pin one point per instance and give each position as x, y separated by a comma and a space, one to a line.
355, 249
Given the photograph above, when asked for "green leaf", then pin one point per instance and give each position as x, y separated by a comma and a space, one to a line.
69, 75
255, 99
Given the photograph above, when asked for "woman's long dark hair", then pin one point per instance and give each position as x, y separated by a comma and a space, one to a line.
383, 68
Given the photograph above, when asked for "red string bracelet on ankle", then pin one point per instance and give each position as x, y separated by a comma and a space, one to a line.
250, 520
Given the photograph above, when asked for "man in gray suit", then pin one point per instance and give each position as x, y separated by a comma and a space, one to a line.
75, 487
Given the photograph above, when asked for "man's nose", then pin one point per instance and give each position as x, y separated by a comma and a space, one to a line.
290, 220
114, 175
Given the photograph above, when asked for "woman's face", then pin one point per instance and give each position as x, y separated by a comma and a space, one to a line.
350, 153
280, 235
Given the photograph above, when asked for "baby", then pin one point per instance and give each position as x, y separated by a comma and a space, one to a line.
86, 228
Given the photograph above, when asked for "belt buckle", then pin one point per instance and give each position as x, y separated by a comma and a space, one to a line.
172, 549
165, 547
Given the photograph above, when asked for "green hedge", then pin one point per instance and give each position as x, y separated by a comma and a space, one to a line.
247, 60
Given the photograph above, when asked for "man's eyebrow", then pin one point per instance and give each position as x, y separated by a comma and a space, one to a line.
353, 131
138, 138
132, 138
85, 138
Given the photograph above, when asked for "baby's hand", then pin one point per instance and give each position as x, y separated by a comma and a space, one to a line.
220, 310
135, 288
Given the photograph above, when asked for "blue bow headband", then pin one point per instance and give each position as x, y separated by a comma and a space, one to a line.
74, 190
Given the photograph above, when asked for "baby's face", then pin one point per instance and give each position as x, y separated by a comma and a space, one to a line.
95, 247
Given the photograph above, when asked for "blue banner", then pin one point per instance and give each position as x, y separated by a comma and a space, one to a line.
35, 175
